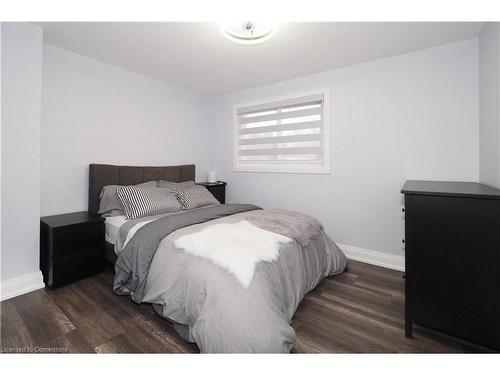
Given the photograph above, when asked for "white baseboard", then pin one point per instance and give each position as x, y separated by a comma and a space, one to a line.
377, 258
21, 284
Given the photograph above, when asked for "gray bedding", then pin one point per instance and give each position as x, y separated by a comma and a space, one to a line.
302, 228
206, 302
132, 265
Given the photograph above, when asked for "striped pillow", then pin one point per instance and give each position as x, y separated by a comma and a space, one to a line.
140, 202
194, 197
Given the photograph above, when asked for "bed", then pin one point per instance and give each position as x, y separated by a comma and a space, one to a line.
228, 277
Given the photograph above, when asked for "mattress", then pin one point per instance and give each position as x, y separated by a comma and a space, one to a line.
112, 226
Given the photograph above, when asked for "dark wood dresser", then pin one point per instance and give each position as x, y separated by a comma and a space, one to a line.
72, 247
452, 240
218, 189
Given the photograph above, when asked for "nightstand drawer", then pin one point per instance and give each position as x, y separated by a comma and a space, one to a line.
218, 189
72, 247
218, 192
76, 266
77, 238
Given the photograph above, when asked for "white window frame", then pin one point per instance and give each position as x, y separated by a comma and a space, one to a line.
324, 168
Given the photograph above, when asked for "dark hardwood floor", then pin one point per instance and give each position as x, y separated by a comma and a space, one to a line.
359, 311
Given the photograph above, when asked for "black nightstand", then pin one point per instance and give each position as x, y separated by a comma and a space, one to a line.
72, 247
218, 189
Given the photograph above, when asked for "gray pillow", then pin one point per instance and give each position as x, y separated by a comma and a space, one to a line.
194, 197
110, 204
139, 201
178, 185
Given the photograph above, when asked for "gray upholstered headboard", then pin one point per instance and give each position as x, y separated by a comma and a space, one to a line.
104, 174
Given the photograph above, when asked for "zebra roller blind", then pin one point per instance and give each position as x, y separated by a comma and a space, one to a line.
285, 135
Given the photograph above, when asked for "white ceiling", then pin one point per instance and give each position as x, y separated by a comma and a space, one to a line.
198, 57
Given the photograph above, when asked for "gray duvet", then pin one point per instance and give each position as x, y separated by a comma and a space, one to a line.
204, 301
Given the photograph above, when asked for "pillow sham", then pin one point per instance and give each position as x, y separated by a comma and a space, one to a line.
110, 204
178, 185
194, 197
139, 201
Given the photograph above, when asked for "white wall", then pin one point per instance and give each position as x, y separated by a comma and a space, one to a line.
489, 101
413, 116
94, 112
21, 112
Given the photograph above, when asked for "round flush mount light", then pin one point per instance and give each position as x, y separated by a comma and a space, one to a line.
248, 32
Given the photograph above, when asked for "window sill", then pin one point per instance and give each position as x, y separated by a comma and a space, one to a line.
323, 169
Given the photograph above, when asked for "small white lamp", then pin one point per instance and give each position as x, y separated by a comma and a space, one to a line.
212, 177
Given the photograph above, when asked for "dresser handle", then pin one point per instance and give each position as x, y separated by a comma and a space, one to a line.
403, 209
403, 240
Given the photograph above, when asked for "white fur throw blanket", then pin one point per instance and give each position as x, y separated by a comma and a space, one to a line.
235, 247
300, 227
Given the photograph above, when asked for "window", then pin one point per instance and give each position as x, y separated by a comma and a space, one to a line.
283, 135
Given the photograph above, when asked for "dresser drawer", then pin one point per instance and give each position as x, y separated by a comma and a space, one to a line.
76, 266
451, 256
77, 238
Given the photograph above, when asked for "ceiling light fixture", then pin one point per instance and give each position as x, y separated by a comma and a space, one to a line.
248, 32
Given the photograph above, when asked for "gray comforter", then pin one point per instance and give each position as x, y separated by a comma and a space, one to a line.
204, 301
